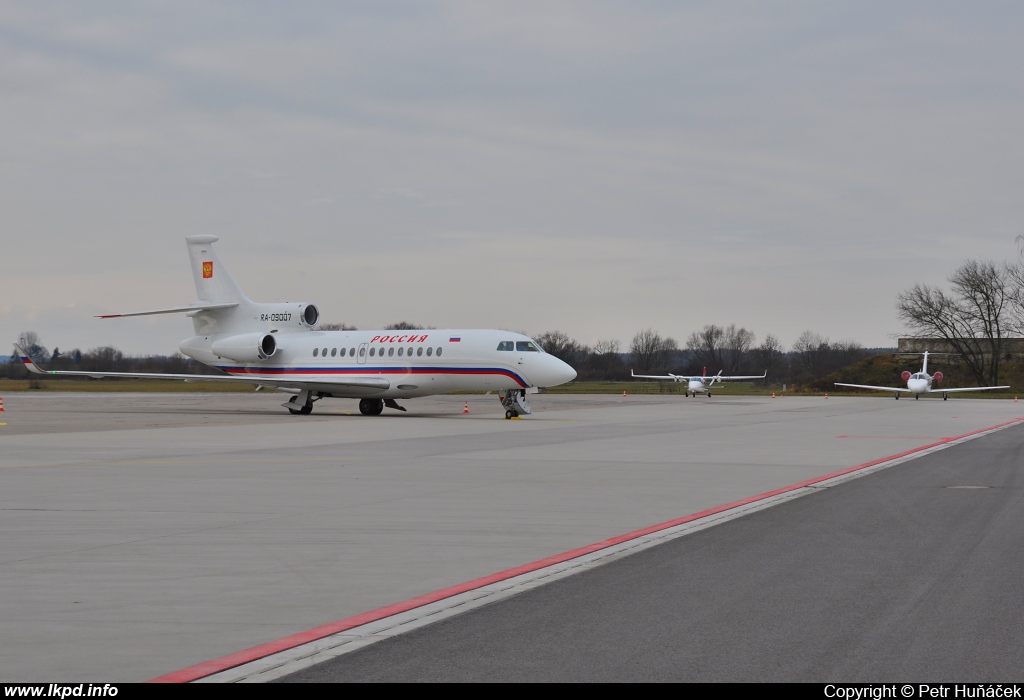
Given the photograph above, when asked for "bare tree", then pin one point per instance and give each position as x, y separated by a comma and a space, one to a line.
336, 327
403, 326
973, 318
603, 363
607, 347
846, 352
106, 358
735, 345
706, 347
650, 351
769, 356
29, 340
563, 347
811, 352
720, 348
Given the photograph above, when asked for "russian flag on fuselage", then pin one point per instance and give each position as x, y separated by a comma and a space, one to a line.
455, 339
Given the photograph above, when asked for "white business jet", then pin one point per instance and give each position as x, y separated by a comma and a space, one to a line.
698, 384
921, 382
276, 346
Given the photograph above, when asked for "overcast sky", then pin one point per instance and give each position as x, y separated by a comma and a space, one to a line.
596, 168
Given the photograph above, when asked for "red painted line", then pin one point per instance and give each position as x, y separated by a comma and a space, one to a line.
258, 652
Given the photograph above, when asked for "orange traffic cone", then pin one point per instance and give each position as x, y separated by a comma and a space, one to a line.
773, 394
465, 409
623, 393
826, 394
1, 404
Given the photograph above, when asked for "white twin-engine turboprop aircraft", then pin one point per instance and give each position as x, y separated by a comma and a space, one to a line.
921, 382
276, 346
698, 385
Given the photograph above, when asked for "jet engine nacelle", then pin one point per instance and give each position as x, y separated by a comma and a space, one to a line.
248, 347
937, 377
905, 376
287, 316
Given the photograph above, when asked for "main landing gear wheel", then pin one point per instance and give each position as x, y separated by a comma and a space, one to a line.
300, 404
687, 392
371, 407
709, 394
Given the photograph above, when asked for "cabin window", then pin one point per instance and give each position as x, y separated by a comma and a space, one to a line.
409, 352
400, 351
391, 352
351, 352
362, 351
439, 352
324, 352
343, 352
430, 351
316, 351
373, 351
334, 351
419, 352
526, 346
506, 345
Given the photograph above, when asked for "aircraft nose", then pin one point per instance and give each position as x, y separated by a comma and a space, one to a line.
556, 372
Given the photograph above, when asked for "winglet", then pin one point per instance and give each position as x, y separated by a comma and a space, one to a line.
27, 361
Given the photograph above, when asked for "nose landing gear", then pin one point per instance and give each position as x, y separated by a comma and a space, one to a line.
514, 403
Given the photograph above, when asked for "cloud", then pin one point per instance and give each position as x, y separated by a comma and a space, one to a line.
782, 167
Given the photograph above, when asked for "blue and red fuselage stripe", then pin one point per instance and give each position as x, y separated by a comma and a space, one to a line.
369, 371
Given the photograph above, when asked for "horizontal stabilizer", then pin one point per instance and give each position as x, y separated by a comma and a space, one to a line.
174, 310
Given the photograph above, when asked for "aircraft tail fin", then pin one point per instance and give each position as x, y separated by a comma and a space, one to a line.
213, 282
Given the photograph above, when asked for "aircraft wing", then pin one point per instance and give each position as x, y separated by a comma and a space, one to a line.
676, 377
354, 382
968, 388
723, 379
876, 388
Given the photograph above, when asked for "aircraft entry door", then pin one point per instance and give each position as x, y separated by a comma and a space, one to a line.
361, 354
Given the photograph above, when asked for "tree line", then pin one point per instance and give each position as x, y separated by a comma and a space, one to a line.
727, 348
974, 317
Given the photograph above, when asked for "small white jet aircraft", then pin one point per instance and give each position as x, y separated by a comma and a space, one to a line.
697, 385
275, 345
921, 382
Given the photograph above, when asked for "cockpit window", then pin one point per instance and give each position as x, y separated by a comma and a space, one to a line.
526, 346
506, 345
